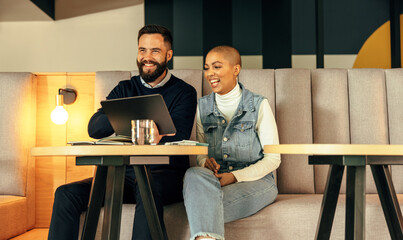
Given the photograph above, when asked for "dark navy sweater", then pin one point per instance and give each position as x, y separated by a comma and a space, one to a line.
180, 98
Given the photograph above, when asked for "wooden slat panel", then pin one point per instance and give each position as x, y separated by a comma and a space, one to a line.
50, 174
79, 114
76, 173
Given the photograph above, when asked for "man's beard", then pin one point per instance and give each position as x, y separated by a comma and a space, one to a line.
150, 77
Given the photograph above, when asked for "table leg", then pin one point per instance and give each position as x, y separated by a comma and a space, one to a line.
355, 203
329, 201
95, 203
113, 202
157, 228
390, 204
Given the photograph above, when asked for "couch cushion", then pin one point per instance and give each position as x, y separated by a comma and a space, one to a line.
17, 128
294, 122
206, 86
295, 216
13, 212
330, 115
260, 81
368, 111
394, 89
105, 81
291, 216
194, 78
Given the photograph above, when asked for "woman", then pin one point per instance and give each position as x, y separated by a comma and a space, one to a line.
235, 180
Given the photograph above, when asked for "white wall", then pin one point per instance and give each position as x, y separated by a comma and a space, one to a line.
94, 42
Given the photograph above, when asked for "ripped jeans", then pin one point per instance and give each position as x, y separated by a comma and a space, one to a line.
209, 206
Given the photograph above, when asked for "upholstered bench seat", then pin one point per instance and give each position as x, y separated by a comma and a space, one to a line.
13, 210
291, 216
334, 106
17, 167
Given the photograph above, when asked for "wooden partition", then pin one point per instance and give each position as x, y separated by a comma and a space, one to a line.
52, 172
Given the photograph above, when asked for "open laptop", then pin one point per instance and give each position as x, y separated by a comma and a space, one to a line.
121, 111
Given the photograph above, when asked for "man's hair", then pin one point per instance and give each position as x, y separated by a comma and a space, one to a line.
230, 53
157, 29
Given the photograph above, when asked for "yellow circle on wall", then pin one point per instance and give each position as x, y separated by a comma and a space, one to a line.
375, 53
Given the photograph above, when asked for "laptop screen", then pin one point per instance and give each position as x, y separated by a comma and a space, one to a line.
121, 111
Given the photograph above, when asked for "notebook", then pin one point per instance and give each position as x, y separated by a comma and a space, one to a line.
121, 111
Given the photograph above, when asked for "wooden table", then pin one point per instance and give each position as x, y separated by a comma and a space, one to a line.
355, 157
111, 162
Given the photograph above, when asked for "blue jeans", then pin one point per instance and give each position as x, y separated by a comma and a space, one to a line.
209, 206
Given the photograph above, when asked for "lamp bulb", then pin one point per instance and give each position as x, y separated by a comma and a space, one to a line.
59, 115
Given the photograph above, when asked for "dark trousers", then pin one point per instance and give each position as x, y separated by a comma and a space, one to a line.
72, 199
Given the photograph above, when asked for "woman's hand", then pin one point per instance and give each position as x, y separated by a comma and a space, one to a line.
226, 178
212, 165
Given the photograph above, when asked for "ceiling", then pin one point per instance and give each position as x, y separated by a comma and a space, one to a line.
25, 10
21, 10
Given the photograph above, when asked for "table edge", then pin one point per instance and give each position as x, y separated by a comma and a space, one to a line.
336, 149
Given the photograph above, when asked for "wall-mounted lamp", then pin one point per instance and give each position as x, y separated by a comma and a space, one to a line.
65, 96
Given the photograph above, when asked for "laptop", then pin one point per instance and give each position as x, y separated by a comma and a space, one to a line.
121, 111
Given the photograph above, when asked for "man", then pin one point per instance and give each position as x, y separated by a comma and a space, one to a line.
154, 52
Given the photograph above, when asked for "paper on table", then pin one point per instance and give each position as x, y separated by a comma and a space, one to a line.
111, 140
187, 143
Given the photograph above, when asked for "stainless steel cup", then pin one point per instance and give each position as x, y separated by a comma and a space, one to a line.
142, 132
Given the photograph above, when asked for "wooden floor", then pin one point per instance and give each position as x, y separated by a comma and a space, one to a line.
34, 234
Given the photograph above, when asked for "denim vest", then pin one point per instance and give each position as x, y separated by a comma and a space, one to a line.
235, 144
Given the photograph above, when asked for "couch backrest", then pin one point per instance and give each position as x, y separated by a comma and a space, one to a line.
394, 90
358, 106
17, 131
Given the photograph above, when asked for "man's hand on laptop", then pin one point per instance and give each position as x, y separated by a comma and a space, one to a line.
157, 136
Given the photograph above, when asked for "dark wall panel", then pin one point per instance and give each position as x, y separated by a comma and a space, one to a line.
303, 27
274, 29
188, 25
247, 26
349, 23
217, 24
395, 48
276, 34
160, 12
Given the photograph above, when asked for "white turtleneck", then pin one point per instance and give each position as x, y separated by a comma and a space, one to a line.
266, 128
228, 103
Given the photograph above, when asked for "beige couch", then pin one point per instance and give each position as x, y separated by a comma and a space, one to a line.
311, 106
17, 167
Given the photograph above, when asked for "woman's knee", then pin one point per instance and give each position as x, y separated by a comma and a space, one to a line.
195, 174
198, 180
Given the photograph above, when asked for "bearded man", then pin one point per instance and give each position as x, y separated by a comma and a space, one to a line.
154, 52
